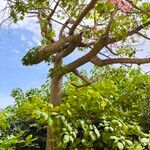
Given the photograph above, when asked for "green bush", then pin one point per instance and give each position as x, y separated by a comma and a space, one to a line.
112, 113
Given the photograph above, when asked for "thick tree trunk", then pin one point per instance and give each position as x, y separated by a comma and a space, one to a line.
49, 140
56, 96
56, 90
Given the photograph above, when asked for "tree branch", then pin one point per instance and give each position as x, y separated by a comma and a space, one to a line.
81, 76
136, 7
99, 45
144, 36
99, 62
87, 57
68, 50
63, 27
129, 33
111, 51
53, 10
89, 7
47, 50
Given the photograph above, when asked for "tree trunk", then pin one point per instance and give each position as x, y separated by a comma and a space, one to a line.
56, 90
56, 96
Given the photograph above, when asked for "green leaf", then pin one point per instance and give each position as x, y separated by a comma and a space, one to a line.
28, 138
120, 146
50, 121
145, 140
45, 115
66, 139
92, 135
129, 142
96, 132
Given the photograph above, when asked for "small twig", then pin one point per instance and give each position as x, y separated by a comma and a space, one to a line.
81, 76
53, 11
136, 7
63, 27
148, 38
110, 50
5, 20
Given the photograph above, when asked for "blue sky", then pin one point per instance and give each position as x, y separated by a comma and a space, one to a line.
14, 43
13, 46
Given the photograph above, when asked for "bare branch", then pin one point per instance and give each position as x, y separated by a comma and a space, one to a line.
89, 7
53, 11
144, 36
1, 23
99, 62
110, 21
63, 27
87, 57
68, 50
110, 50
81, 76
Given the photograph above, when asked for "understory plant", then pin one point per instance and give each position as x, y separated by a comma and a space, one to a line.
111, 113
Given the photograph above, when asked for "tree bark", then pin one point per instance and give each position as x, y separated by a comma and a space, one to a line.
55, 99
49, 140
56, 93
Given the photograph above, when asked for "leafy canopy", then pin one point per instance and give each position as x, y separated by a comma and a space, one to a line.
128, 17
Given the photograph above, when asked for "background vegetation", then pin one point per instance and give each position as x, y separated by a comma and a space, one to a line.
112, 113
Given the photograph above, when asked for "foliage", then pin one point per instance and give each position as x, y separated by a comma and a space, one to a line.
129, 16
22, 131
108, 114
112, 113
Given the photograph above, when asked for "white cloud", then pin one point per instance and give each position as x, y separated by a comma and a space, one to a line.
3, 14
30, 44
29, 24
23, 38
36, 39
16, 51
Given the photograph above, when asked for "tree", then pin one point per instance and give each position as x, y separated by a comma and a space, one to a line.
105, 31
